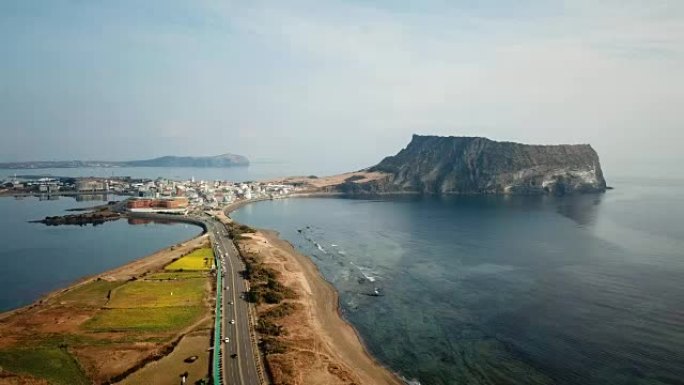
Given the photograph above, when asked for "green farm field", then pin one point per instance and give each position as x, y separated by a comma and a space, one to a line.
176, 275
51, 363
144, 319
179, 292
200, 259
93, 331
93, 294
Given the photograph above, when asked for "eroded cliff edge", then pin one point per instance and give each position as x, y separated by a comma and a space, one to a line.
475, 165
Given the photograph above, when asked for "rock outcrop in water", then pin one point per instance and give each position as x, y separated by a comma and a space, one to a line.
473, 165
95, 218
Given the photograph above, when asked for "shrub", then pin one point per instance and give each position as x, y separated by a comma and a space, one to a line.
269, 328
273, 346
273, 297
354, 178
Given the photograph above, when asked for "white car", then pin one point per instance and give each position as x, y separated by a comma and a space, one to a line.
232, 322
226, 340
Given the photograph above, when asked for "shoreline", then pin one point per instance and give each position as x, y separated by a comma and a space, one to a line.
351, 349
94, 277
317, 275
66, 312
347, 344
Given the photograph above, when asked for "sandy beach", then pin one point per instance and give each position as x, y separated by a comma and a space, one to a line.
322, 347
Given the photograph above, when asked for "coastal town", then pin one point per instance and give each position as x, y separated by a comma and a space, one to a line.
146, 195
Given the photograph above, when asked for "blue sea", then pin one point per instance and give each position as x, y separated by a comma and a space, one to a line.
582, 289
37, 259
255, 171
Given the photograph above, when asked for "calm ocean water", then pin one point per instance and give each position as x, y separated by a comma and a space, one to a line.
506, 290
255, 171
37, 259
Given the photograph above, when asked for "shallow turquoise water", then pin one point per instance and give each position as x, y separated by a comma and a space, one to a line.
505, 290
37, 259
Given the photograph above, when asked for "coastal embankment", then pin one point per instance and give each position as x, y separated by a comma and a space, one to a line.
304, 337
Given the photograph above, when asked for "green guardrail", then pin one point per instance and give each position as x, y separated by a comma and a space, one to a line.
216, 357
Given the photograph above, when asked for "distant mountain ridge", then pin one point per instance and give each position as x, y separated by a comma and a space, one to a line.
224, 160
475, 165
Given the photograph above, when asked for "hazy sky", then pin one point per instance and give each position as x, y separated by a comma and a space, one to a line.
339, 84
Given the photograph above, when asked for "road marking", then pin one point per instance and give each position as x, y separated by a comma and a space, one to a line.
236, 335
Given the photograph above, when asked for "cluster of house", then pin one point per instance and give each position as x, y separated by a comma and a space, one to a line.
38, 184
209, 194
162, 195
49, 185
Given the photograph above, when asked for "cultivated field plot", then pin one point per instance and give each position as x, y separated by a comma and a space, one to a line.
176, 275
144, 319
93, 294
180, 292
200, 259
51, 363
165, 371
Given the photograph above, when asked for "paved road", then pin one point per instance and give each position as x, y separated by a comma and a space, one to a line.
239, 364
240, 369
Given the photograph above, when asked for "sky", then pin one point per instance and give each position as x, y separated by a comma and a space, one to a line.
338, 85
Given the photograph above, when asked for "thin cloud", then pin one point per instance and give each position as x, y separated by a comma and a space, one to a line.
319, 77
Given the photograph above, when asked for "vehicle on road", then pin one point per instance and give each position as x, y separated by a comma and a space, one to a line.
226, 340
232, 322
234, 355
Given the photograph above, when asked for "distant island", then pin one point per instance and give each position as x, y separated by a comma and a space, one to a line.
224, 160
473, 165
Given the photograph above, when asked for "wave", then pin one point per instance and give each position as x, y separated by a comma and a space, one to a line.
368, 274
410, 382
319, 247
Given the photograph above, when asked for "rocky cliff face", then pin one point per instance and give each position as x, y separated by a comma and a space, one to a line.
472, 165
